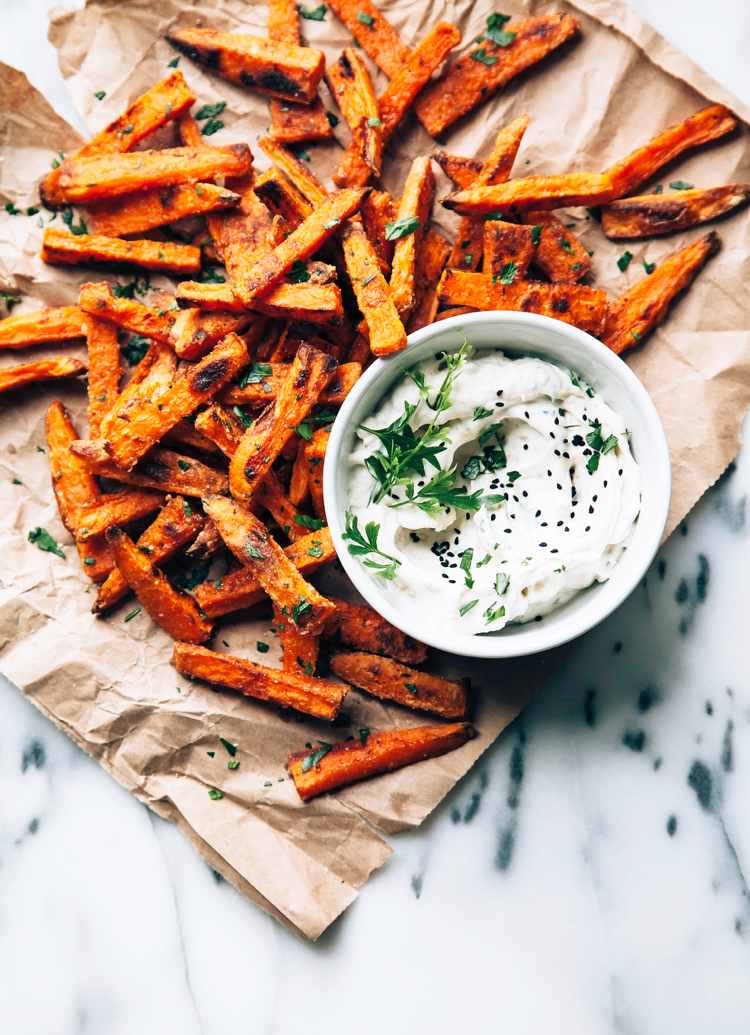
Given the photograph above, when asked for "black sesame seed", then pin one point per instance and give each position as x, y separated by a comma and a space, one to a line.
587, 528
542, 544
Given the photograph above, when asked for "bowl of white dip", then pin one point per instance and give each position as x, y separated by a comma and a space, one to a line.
499, 487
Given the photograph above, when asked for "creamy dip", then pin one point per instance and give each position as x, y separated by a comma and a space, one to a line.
495, 490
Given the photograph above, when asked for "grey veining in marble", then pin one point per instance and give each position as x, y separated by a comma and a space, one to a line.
589, 876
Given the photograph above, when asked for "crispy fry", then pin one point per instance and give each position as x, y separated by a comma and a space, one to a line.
266, 437
98, 300
184, 434
431, 262
652, 214
96, 177
359, 352
116, 508
507, 247
471, 80
250, 542
244, 236
350, 83
64, 249
134, 213
462, 171
321, 698
324, 221
326, 769
583, 307
558, 254
162, 469
299, 653
166, 100
638, 311
176, 525
415, 204
295, 170
103, 351
195, 332
374, 296
40, 370
151, 380
241, 589
315, 452
63, 323
271, 497
299, 483
378, 210
373, 32
293, 123
341, 382
266, 389
75, 488
357, 625
313, 302
175, 612
207, 543
128, 436
277, 191
277, 69
219, 425
391, 681
496, 168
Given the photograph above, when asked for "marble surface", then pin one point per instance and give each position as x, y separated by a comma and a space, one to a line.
589, 876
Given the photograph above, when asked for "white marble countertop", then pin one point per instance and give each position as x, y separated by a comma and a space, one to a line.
587, 877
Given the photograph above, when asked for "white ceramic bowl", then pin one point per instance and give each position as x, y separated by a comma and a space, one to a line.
524, 334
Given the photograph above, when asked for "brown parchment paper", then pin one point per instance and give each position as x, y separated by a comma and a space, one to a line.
109, 685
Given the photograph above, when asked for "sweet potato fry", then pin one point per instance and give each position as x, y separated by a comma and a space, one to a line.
313, 302
299, 652
64, 249
508, 248
293, 123
267, 382
378, 210
95, 177
374, 296
241, 589
277, 191
103, 351
271, 497
583, 307
242, 237
299, 483
321, 698
315, 452
391, 681
194, 332
175, 612
328, 767
176, 525
149, 209
475, 77
164, 101
461, 170
98, 300
373, 32
127, 437
75, 488
651, 214
359, 352
539, 192
151, 380
431, 262
40, 370
295, 170
221, 426
62, 323
638, 311
207, 543
558, 252
496, 168
277, 69
250, 542
357, 625
413, 216
324, 221
350, 83
115, 508
162, 469
266, 437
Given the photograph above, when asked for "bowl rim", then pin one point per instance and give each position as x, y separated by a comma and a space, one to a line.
507, 645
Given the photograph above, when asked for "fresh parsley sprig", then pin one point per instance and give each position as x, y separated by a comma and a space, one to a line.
441, 491
366, 545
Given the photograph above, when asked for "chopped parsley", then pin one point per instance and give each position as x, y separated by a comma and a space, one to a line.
41, 538
210, 111
364, 733
401, 228
215, 794
311, 760
132, 614
333, 120
464, 610
331, 223
411, 687
507, 274
374, 122
312, 14
299, 273
212, 126
681, 185
366, 545
466, 558
315, 549
262, 647
78, 228
493, 613
229, 747
365, 19
252, 551
536, 235
211, 275
624, 261
480, 412
135, 348
495, 30
649, 267
300, 609
313, 523
483, 57
100, 94
173, 63
255, 374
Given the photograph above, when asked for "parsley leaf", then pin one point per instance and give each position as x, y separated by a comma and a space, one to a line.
298, 274
365, 19
313, 523
212, 126
467, 607
229, 747
135, 348
311, 760
210, 111
366, 545
41, 538
507, 274
401, 228
480, 412
681, 185
255, 374
483, 57
313, 14
624, 261
100, 95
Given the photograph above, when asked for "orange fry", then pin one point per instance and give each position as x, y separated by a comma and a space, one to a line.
317, 771
98, 301
357, 625
149, 209
162, 469
103, 351
374, 33
195, 332
413, 216
293, 123
507, 247
652, 214
374, 296
277, 191
250, 542
321, 698
559, 254
63, 323
461, 170
40, 370
299, 653
378, 210
640, 309
269, 377
391, 681
63, 249
115, 508
175, 612
431, 262
294, 169
313, 301
350, 83
175, 526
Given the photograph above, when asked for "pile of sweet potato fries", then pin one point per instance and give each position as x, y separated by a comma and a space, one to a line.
286, 291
